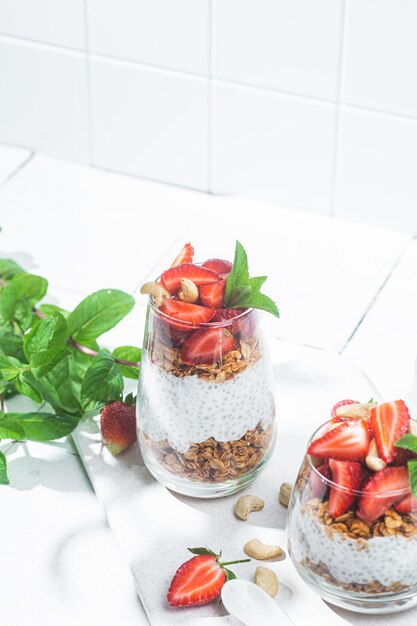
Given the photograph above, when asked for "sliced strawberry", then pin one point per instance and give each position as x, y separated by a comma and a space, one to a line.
245, 325
348, 441
346, 474
402, 456
207, 346
197, 581
185, 256
408, 505
341, 403
212, 295
218, 265
171, 278
318, 486
186, 312
379, 493
227, 314
389, 421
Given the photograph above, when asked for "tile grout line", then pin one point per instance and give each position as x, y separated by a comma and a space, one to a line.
377, 293
16, 171
336, 147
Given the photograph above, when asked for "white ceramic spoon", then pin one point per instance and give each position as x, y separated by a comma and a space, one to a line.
252, 605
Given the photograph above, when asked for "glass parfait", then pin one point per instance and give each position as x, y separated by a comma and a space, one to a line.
206, 425
360, 566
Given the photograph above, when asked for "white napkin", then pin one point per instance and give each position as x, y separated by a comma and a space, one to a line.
154, 526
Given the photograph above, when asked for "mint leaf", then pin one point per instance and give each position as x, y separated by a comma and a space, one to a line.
244, 292
61, 387
26, 384
412, 468
11, 430
12, 345
8, 268
39, 426
103, 381
408, 442
10, 367
98, 313
128, 353
51, 309
19, 296
45, 344
4, 480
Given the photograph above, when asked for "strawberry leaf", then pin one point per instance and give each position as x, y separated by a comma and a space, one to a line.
229, 574
202, 551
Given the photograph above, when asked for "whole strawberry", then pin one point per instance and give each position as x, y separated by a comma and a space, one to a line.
200, 579
118, 425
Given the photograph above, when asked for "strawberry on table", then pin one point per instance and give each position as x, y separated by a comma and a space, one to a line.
186, 312
207, 346
200, 579
348, 441
389, 421
346, 474
118, 425
382, 491
185, 256
211, 295
171, 279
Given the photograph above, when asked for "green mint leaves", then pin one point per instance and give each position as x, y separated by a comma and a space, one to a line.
409, 442
242, 291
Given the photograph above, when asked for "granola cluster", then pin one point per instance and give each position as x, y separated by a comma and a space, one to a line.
215, 461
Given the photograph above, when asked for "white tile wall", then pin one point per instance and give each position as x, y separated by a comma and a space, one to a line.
377, 179
44, 99
150, 123
289, 46
59, 22
307, 104
158, 32
274, 147
381, 55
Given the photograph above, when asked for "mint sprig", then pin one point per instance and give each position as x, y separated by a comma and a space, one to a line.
409, 442
242, 291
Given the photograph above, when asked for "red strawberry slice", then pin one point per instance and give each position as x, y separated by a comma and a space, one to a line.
346, 474
341, 403
218, 265
227, 314
171, 278
389, 422
318, 486
402, 456
185, 256
245, 326
381, 492
186, 312
408, 505
212, 295
207, 346
349, 441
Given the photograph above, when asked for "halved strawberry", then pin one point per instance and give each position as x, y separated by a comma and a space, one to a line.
200, 579
346, 474
227, 314
185, 256
207, 346
186, 312
317, 485
348, 441
218, 265
408, 505
341, 403
381, 492
171, 279
245, 325
402, 456
389, 422
212, 295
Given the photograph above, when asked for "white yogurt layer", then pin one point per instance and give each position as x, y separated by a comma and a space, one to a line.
388, 560
190, 410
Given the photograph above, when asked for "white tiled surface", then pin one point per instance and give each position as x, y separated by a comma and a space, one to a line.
290, 46
161, 32
273, 147
10, 160
377, 179
381, 55
94, 229
59, 22
44, 99
150, 123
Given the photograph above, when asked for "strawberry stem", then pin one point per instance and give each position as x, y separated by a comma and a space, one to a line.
233, 562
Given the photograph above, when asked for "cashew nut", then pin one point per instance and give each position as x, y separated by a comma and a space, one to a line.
267, 580
261, 551
189, 291
362, 411
157, 291
285, 492
372, 460
246, 504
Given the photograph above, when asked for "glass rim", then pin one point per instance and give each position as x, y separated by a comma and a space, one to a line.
357, 492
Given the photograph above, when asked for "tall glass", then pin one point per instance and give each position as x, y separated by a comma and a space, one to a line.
205, 429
